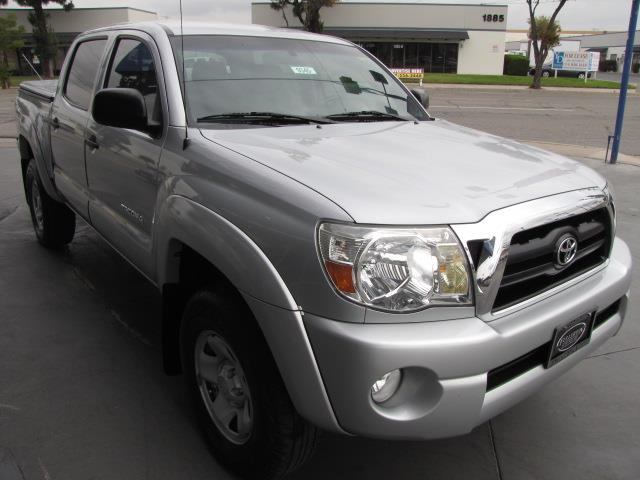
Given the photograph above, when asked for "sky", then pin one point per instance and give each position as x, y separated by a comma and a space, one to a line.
575, 15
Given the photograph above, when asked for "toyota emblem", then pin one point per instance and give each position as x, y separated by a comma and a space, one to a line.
566, 250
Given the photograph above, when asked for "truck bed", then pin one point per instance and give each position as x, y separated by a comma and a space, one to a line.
41, 88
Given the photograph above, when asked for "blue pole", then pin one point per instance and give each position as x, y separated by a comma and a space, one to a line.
626, 68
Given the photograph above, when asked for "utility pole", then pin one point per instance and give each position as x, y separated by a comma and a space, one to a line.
624, 84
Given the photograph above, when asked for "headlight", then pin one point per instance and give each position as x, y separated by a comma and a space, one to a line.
398, 270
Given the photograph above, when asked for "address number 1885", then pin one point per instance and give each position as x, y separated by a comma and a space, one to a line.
488, 17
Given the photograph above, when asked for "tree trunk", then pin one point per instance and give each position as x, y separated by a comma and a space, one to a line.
6, 82
47, 70
537, 77
40, 25
313, 20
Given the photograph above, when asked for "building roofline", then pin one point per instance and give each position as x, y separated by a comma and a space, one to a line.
616, 32
487, 4
78, 8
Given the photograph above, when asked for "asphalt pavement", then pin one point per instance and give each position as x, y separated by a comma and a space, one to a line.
83, 396
557, 116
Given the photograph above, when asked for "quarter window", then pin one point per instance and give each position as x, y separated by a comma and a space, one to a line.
83, 71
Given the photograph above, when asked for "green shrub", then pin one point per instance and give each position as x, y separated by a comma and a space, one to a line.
635, 68
516, 65
608, 66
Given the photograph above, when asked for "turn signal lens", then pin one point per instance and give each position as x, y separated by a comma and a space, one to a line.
342, 276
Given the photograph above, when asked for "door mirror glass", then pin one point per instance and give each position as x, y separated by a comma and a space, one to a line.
421, 95
120, 107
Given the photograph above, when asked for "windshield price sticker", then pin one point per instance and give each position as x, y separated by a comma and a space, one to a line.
408, 72
303, 70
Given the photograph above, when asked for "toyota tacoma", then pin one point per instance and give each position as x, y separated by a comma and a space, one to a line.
329, 255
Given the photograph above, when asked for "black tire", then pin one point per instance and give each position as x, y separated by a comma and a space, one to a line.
280, 440
546, 73
53, 222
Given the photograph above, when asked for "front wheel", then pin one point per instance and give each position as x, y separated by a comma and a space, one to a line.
581, 76
546, 74
53, 222
240, 398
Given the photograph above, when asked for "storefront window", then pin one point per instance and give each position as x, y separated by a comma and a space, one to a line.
433, 57
411, 55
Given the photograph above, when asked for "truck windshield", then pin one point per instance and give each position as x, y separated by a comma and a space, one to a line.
232, 80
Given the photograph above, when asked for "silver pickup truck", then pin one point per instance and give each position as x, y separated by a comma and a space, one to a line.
329, 255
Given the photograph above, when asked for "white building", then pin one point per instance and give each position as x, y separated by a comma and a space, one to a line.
448, 38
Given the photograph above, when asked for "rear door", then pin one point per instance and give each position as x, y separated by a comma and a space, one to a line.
122, 164
69, 116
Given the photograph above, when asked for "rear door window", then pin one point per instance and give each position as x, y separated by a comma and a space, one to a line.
83, 71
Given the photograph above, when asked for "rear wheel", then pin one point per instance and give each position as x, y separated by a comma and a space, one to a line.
546, 73
53, 222
240, 398
581, 76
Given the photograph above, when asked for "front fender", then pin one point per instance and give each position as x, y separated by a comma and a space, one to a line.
244, 264
221, 243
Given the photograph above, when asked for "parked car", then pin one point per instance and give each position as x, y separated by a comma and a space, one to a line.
549, 71
330, 256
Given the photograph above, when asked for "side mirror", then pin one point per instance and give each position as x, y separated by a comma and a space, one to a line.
421, 95
120, 107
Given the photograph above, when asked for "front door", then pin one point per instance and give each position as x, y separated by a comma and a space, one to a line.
122, 164
69, 116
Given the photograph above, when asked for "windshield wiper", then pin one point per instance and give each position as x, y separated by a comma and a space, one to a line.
365, 115
260, 117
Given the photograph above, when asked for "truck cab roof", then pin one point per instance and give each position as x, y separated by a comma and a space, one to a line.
173, 28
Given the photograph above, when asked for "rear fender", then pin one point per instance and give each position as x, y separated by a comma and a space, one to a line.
34, 138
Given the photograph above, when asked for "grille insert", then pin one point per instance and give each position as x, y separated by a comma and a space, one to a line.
531, 266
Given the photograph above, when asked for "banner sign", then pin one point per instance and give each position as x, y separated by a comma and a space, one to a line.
576, 61
415, 73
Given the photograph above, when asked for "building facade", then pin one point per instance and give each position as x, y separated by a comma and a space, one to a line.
66, 26
611, 45
442, 38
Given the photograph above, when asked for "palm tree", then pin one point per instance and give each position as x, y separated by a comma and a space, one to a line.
544, 33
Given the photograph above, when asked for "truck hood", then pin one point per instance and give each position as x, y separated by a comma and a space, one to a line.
409, 173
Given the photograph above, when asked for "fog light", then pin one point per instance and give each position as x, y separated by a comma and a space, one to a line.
384, 388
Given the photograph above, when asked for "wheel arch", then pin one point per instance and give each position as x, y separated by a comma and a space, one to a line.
28, 151
195, 247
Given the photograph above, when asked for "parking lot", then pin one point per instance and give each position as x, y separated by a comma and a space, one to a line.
82, 393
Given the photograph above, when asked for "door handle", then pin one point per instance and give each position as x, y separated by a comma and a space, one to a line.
92, 142
55, 123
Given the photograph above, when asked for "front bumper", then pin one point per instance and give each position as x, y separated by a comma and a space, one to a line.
445, 363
